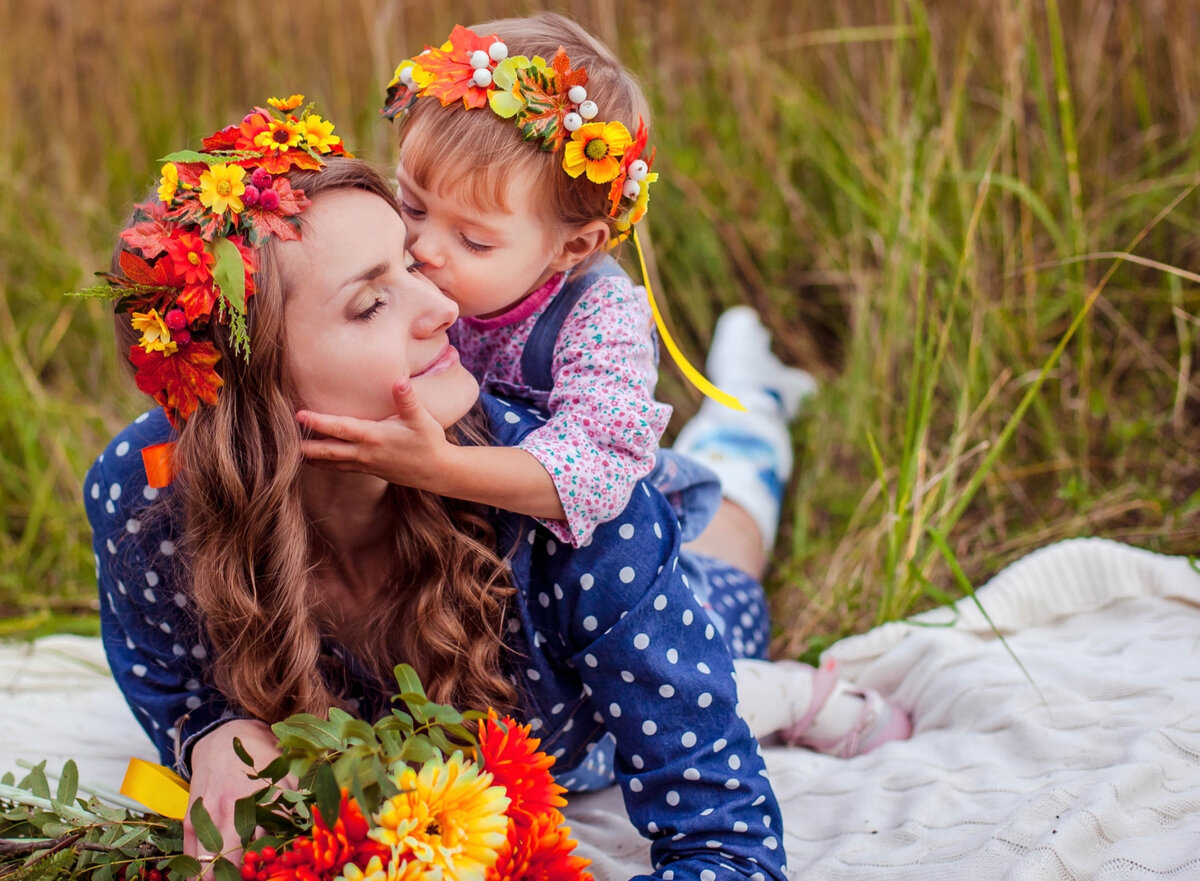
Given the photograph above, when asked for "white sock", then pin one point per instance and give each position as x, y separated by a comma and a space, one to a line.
773, 695
750, 452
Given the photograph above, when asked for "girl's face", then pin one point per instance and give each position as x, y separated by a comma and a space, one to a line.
359, 317
486, 261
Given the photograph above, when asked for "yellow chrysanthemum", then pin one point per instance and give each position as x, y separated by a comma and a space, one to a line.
448, 817
318, 133
280, 135
156, 336
168, 184
286, 104
221, 188
596, 148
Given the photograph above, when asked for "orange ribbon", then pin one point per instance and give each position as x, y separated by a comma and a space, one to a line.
159, 462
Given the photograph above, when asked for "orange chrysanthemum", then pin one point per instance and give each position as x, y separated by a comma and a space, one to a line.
512, 757
542, 851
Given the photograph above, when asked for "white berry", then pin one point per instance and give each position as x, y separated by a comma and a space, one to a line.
588, 109
572, 121
638, 169
577, 94
479, 59
631, 190
482, 77
498, 51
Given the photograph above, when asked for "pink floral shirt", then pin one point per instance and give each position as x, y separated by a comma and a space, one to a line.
604, 425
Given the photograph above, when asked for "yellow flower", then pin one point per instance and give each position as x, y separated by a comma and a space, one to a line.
286, 104
643, 200
156, 336
221, 188
280, 135
448, 817
318, 133
596, 148
506, 99
168, 184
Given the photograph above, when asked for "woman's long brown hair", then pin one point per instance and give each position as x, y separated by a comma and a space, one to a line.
251, 551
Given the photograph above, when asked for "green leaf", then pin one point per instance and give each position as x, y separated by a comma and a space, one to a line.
409, 683
187, 156
207, 832
418, 750
68, 783
240, 751
35, 781
328, 793
183, 867
308, 731
245, 818
229, 273
224, 870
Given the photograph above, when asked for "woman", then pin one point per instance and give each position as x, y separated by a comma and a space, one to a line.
255, 586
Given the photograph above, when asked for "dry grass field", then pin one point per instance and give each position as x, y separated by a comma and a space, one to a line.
975, 221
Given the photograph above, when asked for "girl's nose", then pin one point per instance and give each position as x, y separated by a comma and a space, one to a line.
424, 250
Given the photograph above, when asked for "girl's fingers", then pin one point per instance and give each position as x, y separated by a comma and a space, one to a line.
341, 427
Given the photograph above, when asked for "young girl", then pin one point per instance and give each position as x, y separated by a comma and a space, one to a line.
523, 157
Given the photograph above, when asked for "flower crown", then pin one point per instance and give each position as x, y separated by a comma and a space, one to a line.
190, 257
549, 104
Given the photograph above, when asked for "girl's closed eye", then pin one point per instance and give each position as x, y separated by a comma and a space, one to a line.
412, 211
474, 246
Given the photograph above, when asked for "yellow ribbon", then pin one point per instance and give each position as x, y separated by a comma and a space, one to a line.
158, 788
695, 376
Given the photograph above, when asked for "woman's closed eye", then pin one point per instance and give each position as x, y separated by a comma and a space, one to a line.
372, 310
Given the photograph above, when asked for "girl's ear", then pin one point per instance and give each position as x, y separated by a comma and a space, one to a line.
580, 243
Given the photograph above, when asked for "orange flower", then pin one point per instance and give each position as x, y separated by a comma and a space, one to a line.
286, 104
541, 851
512, 757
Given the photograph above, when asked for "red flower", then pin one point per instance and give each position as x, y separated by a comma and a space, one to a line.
190, 257
323, 853
512, 757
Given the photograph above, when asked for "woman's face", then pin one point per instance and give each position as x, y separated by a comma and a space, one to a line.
359, 319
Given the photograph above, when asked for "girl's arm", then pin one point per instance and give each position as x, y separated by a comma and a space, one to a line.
412, 450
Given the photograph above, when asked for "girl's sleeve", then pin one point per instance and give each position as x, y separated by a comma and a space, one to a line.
660, 679
150, 634
604, 424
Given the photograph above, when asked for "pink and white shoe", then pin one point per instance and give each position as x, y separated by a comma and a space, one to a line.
879, 721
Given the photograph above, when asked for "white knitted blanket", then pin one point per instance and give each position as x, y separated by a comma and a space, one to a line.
1091, 771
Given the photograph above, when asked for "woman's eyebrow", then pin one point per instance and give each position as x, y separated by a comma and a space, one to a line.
370, 274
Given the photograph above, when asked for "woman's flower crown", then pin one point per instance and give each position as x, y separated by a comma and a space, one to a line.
548, 102
189, 258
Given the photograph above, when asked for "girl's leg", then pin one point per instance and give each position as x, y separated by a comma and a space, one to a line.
750, 452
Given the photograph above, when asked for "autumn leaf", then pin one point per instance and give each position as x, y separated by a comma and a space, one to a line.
451, 69
180, 381
151, 234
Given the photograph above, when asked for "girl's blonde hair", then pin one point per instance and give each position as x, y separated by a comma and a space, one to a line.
250, 550
474, 155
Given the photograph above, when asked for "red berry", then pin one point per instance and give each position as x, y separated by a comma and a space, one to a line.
176, 319
182, 337
154, 875
269, 853
248, 872
250, 196
268, 200
261, 178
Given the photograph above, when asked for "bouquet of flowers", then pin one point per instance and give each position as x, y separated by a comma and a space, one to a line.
427, 792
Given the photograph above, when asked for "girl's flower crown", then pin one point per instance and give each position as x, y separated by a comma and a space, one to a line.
189, 259
549, 104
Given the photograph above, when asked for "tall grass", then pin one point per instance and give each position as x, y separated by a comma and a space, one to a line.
974, 221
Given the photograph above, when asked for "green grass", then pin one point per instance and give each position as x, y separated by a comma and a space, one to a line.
974, 221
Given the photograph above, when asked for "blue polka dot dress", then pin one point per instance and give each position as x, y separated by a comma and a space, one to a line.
621, 649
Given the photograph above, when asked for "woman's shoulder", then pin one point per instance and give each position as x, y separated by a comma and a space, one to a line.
116, 482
